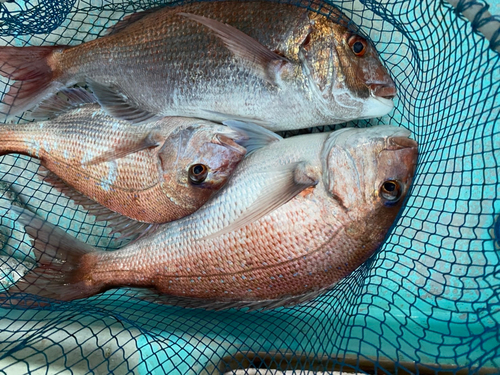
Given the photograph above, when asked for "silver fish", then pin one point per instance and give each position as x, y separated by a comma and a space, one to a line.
279, 65
297, 216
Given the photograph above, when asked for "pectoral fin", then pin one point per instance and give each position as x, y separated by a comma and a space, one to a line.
267, 63
150, 140
119, 105
287, 183
255, 136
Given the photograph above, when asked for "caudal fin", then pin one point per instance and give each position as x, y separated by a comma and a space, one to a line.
35, 73
62, 262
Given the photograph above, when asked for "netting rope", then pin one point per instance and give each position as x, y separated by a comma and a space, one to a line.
427, 302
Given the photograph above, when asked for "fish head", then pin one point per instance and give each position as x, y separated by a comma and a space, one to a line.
368, 173
345, 70
197, 160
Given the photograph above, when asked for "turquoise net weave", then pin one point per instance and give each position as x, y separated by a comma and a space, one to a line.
427, 302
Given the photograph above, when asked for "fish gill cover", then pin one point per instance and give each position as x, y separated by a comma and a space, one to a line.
428, 301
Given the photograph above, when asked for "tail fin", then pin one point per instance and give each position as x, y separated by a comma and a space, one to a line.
34, 72
62, 262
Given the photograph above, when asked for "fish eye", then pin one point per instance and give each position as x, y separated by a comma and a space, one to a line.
391, 190
357, 44
198, 173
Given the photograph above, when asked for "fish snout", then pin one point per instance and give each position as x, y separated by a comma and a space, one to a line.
399, 143
384, 90
405, 151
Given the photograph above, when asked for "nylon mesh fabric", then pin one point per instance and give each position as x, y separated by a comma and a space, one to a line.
427, 302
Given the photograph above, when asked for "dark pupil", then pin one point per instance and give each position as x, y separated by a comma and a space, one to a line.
390, 186
357, 47
197, 169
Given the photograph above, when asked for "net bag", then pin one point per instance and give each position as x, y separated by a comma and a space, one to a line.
428, 301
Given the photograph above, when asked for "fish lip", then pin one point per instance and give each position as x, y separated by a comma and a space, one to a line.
376, 106
385, 101
400, 143
383, 90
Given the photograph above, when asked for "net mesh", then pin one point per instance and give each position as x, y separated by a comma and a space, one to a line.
427, 302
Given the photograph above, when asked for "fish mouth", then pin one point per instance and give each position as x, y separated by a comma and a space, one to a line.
384, 91
376, 106
395, 137
407, 152
400, 143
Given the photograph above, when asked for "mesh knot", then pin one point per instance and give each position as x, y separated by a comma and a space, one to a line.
33, 17
479, 17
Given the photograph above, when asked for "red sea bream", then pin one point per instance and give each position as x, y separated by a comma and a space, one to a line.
155, 172
279, 65
297, 216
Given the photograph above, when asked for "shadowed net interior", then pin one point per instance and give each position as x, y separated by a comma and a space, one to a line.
428, 301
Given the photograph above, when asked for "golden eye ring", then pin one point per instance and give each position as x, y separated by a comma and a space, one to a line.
391, 190
358, 45
197, 173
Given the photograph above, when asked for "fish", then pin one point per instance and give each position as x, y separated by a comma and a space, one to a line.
298, 215
151, 173
281, 66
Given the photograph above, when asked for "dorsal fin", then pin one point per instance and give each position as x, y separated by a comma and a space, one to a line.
129, 20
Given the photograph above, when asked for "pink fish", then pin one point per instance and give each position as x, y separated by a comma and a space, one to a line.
280, 65
152, 173
297, 216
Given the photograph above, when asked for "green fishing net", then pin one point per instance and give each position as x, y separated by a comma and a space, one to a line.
428, 301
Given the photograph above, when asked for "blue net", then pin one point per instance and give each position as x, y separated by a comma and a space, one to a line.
427, 302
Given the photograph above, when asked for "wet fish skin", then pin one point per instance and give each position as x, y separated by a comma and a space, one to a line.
142, 172
352, 185
297, 71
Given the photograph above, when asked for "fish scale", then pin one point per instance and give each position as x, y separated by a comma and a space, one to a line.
297, 216
87, 153
295, 69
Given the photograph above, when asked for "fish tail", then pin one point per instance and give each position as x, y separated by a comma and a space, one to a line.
35, 70
14, 139
63, 264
